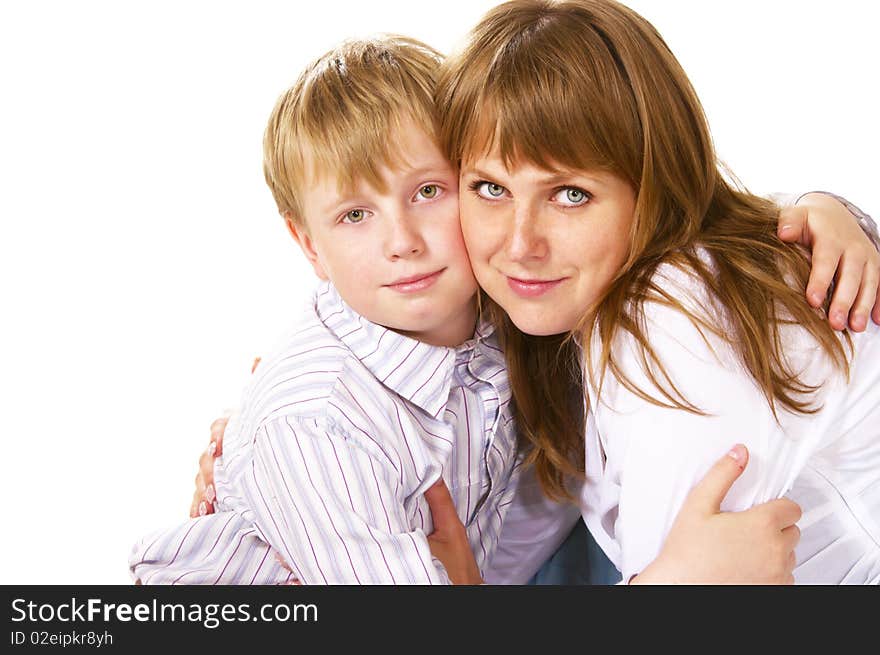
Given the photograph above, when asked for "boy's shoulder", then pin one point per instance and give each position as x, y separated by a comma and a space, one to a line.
300, 375
337, 368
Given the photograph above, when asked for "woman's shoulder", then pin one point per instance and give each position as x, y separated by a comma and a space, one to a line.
678, 304
678, 326
682, 278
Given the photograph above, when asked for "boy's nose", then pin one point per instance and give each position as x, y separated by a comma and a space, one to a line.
404, 239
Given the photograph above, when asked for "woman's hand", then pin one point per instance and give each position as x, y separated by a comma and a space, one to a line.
204, 495
708, 546
841, 251
448, 542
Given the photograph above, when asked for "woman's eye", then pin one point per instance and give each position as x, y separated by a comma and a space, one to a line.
354, 216
490, 190
571, 197
429, 191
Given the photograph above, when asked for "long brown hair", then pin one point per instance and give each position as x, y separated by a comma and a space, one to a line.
590, 84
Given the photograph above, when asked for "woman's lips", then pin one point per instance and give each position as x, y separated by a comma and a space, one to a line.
416, 283
532, 288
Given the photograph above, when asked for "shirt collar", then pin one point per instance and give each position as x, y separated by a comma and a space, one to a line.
486, 360
419, 372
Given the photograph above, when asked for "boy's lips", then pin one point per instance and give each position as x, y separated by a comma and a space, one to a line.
415, 283
532, 288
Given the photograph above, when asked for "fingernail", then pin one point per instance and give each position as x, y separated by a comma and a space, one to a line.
838, 317
203, 508
817, 297
212, 447
209, 493
859, 323
737, 453
785, 228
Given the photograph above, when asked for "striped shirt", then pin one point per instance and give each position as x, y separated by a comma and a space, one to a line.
340, 433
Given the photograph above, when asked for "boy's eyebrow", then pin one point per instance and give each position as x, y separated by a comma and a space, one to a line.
424, 170
345, 198
337, 203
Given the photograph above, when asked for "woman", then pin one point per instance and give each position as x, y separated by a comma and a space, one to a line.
599, 224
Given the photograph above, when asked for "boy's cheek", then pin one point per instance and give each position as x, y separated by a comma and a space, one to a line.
447, 238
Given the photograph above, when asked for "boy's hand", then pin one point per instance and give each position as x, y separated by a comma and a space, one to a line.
841, 251
448, 541
204, 495
708, 546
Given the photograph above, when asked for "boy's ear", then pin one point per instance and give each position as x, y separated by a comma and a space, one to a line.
302, 238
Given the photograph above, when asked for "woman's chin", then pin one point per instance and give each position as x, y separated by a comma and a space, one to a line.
539, 325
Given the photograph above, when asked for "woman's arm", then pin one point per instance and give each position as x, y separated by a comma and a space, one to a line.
656, 455
705, 545
207, 492
708, 546
844, 243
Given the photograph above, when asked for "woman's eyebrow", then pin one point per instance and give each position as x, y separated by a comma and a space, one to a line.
571, 177
476, 172
554, 178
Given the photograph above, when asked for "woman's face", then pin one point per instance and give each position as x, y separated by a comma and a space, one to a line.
544, 244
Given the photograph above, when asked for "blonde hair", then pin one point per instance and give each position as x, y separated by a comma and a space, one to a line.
341, 112
590, 84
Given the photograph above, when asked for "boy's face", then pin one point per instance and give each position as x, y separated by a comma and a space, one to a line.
396, 257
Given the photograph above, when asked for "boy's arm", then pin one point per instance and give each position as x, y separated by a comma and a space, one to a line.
220, 549
333, 509
534, 526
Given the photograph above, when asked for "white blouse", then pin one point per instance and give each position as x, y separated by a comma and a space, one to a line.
643, 459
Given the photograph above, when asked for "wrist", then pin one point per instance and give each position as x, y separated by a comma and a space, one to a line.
656, 573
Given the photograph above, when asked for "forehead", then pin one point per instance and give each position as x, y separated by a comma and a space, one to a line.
520, 132
416, 158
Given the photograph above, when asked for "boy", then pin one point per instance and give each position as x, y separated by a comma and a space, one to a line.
386, 385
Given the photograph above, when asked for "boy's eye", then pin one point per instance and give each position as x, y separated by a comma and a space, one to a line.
354, 216
429, 191
571, 197
489, 190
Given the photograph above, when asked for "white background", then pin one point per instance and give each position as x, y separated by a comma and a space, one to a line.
143, 265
